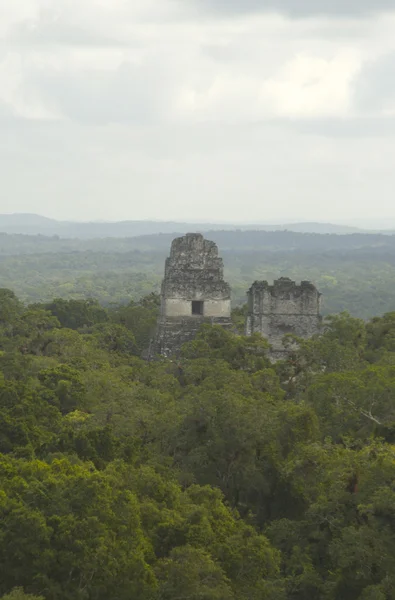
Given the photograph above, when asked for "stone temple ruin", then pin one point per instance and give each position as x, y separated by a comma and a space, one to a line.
194, 292
283, 308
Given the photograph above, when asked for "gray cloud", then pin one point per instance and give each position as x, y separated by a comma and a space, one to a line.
52, 28
375, 88
130, 93
363, 128
5, 112
300, 8
61, 34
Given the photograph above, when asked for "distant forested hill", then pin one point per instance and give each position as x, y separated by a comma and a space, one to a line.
354, 272
238, 240
37, 225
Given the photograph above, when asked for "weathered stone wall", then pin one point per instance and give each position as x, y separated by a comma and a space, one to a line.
282, 308
172, 333
193, 272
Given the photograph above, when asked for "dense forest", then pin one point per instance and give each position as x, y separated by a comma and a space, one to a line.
355, 273
218, 476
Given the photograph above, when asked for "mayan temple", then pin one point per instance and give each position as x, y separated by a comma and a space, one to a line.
193, 292
283, 308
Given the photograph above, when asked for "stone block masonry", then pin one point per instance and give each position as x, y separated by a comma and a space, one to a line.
193, 292
282, 308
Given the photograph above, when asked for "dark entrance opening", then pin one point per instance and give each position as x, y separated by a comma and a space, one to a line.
197, 307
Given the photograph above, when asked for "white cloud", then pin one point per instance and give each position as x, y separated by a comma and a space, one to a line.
14, 94
375, 92
310, 86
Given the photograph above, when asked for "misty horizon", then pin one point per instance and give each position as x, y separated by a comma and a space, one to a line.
38, 220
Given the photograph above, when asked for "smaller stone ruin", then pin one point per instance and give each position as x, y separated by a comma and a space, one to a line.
193, 292
283, 308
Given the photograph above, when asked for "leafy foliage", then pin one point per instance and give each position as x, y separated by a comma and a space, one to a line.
219, 477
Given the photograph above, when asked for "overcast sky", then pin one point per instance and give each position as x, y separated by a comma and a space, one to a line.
221, 110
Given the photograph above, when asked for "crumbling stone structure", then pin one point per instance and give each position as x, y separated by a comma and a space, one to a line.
282, 308
193, 292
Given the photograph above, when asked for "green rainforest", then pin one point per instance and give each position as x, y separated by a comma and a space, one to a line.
218, 476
